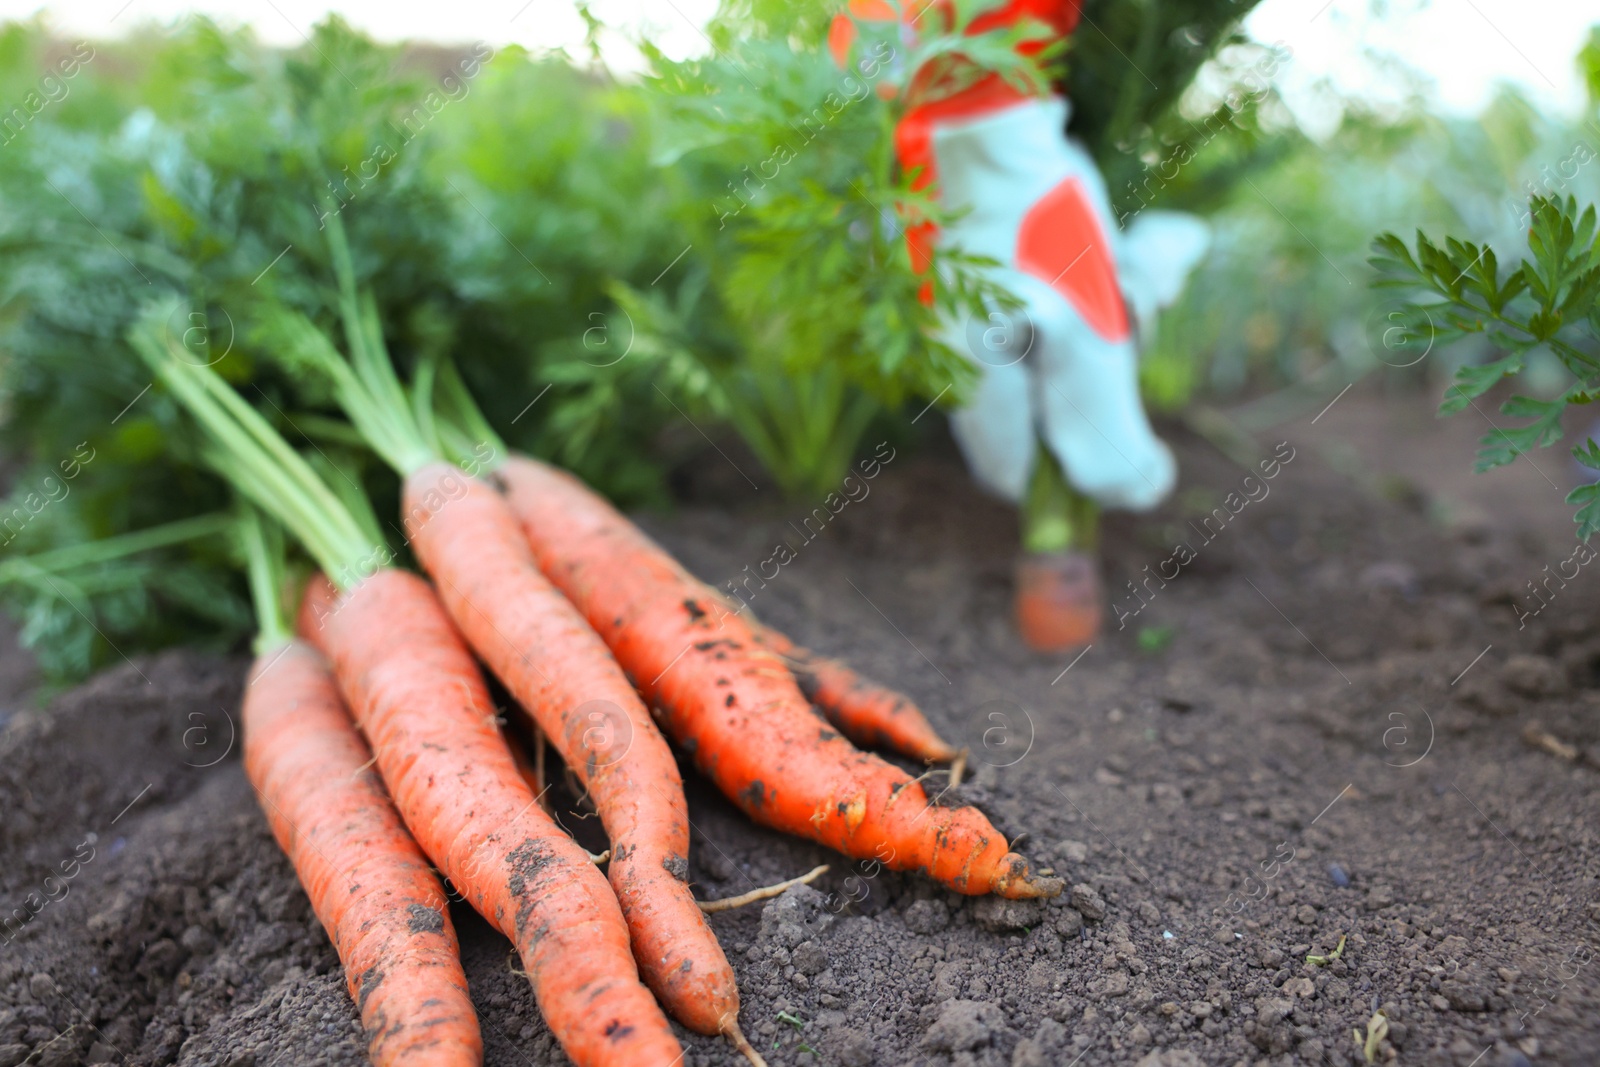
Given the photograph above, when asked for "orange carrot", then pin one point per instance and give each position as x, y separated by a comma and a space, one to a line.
865, 712
731, 702
369, 884
535, 641
416, 693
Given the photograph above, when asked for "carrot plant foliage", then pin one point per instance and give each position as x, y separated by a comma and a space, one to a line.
1549, 300
623, 269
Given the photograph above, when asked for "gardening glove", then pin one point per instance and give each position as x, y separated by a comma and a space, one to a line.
1062, 368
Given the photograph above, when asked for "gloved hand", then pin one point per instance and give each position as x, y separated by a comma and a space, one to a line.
1064, 367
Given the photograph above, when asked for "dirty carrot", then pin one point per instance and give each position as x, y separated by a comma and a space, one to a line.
419, 698
414, 690
730, 701
536, 642
371, 887
867, 713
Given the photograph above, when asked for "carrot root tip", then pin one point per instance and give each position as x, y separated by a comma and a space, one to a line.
730, 1030
764, 893
958, 767
1019, 882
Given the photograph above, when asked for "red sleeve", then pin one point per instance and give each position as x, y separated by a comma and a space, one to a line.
1062, 14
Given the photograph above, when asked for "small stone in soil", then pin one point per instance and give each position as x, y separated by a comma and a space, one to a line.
1299, 987
999, 915
1072, 851
1069, 921
1088, 902
1112, 985
927, 916
963, 1026
849, 1047
1533, 676
809, 959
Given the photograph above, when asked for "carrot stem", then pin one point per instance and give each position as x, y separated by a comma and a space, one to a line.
464, 423
90, 553
263, 550
243, 447
1056, 517
369, 389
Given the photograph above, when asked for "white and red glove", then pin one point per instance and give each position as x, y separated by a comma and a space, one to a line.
1064, 368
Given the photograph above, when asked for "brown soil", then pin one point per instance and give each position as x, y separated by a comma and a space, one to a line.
1316, 730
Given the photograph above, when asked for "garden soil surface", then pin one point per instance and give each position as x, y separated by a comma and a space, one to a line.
1330, 726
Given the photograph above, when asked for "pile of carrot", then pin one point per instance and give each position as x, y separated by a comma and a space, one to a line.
375, 750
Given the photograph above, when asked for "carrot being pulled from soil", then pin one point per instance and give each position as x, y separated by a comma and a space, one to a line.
414, 690
559, 670
867, 713
370, 885
731, 702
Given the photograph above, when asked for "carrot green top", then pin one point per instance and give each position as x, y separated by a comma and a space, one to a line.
253, 457
460, 420
398, 427
263, 550
436, 420
69, 558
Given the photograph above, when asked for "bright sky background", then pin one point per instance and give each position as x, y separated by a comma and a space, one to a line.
1459, 47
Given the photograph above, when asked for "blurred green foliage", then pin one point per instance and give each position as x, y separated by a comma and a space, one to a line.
1131, 63
519, 213
1549, 301
1537, 318
623, 269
